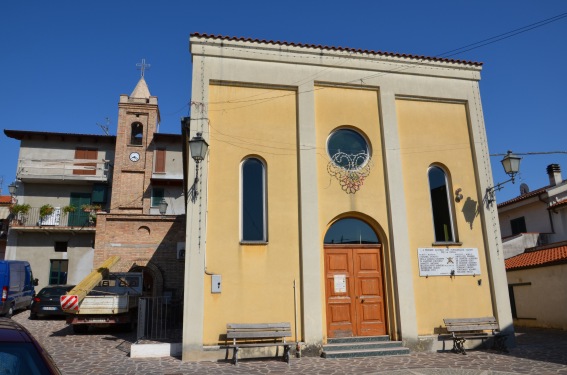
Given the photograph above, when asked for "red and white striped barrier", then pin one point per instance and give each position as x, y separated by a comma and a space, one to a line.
70, 302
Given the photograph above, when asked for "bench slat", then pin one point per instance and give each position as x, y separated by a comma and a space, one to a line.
260, 345
471, 324
259, 330
259, 326
471, 328
257, 335
471, 320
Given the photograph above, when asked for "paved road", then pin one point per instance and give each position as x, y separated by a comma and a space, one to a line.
106, 352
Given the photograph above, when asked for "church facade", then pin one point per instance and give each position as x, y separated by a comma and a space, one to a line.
342, 192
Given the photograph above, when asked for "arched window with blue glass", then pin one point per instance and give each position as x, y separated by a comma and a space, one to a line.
440, 205
253, 201
350, 231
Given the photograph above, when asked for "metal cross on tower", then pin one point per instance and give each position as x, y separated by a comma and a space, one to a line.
142, 66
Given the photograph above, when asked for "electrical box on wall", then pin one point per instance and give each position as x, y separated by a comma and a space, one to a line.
216, 284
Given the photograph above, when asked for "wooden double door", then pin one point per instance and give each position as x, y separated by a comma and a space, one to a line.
354, 291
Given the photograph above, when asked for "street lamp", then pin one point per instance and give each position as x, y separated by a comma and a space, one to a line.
198, 148
162, 207
13, 188
511, 164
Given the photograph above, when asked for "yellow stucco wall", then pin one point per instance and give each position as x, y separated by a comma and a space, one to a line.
438, 133
357, 109
540, 296
257, 280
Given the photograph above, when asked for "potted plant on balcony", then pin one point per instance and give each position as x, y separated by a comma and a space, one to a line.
20, 212
45, 211
69, 209
90, 207
92, 210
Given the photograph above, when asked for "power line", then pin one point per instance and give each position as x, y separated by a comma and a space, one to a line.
449, 53
503, 36
533, 153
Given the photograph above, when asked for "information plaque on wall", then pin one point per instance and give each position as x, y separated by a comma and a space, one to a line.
447, 262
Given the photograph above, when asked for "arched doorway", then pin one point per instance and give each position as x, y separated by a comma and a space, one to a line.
354, 288
152, 279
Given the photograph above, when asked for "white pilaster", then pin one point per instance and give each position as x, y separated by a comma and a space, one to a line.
194, 311
309, 214
399, 233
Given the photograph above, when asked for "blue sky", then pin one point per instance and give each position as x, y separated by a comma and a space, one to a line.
63, 64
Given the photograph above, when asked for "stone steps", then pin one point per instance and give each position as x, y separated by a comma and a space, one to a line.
371, 346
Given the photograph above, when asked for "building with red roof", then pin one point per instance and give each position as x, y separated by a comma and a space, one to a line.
535, 217
534, 231
537, 283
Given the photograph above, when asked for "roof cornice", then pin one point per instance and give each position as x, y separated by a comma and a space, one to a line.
417, 58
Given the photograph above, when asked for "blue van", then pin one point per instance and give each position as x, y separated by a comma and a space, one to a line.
16, 286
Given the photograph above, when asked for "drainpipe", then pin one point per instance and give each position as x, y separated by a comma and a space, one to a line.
548, 213
555, 178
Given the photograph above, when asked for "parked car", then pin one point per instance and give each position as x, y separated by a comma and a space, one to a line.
20, 353
47, 301
16, 286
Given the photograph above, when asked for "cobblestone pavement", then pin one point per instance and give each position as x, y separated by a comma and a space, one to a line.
106, 352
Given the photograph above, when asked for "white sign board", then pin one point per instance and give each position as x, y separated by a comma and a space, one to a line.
340, 283
447, 262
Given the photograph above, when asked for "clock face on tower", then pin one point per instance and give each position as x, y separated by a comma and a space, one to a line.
134, 156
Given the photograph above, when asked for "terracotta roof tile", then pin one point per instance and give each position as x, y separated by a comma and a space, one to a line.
5, 199
557, 204
382, 53
554, 255
524, 196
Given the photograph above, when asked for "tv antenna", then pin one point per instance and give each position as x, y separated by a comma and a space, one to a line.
105, 126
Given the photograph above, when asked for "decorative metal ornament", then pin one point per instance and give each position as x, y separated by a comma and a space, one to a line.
350, 170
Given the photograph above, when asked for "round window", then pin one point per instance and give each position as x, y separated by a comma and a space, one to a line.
348, 149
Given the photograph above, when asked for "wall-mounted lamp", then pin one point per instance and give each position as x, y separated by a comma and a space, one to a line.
198, 148
458, 195
511, 164
162, 207
13, 188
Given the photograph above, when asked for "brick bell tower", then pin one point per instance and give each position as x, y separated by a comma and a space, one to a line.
138, 119
146, 241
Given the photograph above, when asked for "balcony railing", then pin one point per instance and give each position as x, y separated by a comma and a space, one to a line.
63, 169
58, 218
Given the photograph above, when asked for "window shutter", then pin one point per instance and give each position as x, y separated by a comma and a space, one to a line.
85, 153
160, 161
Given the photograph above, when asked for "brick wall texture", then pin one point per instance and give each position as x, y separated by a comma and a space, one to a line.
149, 241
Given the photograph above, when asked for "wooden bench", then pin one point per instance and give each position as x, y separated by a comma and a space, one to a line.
258, 335
475, 329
